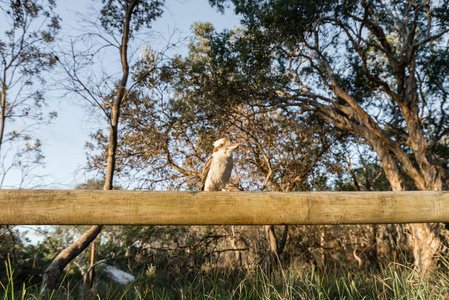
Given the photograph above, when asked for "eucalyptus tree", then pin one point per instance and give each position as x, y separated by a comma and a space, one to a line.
178, 111
180, 108
29, 29
376, 69
117, 26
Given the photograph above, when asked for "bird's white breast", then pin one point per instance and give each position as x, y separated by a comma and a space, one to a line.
219, 172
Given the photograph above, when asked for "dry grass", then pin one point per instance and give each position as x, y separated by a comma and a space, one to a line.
393, 281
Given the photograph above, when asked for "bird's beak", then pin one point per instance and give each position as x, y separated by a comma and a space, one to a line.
233, 146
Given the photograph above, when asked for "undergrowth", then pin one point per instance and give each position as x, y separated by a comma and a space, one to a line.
392, 281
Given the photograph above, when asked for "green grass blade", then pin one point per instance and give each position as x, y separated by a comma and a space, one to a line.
11, 280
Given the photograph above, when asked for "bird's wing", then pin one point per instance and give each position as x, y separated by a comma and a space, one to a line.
205, 172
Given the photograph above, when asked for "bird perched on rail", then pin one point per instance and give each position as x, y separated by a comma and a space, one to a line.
218, 168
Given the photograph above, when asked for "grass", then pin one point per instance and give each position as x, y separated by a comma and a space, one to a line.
393, 281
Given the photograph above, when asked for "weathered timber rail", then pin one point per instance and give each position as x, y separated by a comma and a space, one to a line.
69, 207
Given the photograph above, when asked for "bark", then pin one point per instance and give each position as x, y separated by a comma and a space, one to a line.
121, 94
91, 273
233, 240
389, 165
275, 248
425, 237
272, 241
283, 240
426, 244
323, 243
55, 269
416, 139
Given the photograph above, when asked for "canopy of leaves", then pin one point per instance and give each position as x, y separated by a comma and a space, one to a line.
182, 106
366, 67
113, 14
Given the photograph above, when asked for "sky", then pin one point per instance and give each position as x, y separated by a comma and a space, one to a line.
64, 139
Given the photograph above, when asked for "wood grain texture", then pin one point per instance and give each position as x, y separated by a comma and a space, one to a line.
69, 207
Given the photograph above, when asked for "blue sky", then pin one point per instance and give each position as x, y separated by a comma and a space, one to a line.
64, 139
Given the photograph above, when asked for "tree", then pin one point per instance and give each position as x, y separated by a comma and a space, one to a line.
26, 56
376, 69
120, 20
171, 121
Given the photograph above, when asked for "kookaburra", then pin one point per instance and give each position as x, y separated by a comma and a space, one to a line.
218, 168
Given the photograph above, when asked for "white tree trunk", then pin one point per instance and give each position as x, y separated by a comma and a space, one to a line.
426, 244
425, 237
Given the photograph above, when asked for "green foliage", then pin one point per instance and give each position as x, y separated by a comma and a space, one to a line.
29, 29
25, 45
225, 86
144, 14
27, 261
388, 57
93, 184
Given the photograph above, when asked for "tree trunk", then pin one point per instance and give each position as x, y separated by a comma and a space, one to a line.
233, 240
426, 237
3, 115
54, 270
91, 272
272, 241
426, 243
275, 248
283, 242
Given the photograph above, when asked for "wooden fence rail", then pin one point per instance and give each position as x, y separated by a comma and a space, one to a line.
69, 207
